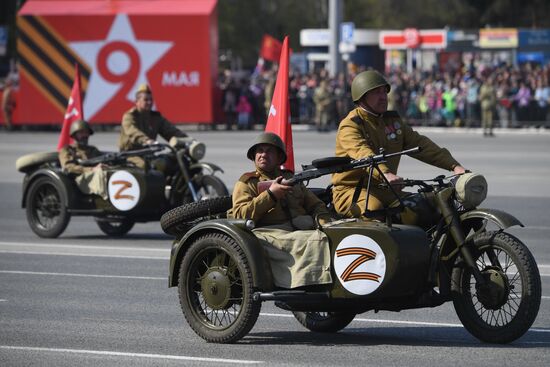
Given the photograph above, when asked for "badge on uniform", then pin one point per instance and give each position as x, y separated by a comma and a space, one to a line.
392, 130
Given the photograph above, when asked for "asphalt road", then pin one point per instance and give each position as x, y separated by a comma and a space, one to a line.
85, 300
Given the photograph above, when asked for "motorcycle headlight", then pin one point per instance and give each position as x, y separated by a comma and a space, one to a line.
471, 189
197, 150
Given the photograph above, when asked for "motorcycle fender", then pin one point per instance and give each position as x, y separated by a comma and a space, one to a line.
65, 182
502, 219
245, 238
210, 167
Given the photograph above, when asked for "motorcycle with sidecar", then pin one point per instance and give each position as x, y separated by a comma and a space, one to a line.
432, 246
51, 197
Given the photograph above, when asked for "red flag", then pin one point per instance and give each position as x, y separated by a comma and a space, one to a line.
278, 120
271, 48
74, 112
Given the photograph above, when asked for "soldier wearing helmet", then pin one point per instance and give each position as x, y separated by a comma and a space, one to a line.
141, 125
90, 180
363, 132
284, 216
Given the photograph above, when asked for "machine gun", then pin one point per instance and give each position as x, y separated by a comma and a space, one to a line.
115, 158
325, 166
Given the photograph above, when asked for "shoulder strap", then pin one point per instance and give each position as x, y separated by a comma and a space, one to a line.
247, 176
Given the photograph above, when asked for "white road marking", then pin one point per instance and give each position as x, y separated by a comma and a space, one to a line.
80, 250
131, 355
82, 275
399, 322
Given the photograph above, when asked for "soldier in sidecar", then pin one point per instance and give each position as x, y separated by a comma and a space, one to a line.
285, 216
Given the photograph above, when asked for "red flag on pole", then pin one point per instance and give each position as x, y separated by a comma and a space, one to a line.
74, 112
278, 120
271, 48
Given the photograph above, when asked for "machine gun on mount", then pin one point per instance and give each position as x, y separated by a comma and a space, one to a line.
325, 166
118, 158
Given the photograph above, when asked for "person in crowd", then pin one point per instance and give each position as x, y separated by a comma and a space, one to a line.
523, 99
542, 97
89, 180
323, 103
141, 125
363, 132
286, 217
472, 101
8, 103
488, 101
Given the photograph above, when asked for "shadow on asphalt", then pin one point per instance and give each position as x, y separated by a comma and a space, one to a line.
408, 336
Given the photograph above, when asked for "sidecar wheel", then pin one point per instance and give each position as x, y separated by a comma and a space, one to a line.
324, 322
216, 290
506, 308
115, 228
46, 208
182, 218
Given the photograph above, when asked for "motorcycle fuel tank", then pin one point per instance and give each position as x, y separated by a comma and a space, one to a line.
373, 260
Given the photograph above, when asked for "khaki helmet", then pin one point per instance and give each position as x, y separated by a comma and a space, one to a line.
267, 138
143, 88
367, 81
80, 125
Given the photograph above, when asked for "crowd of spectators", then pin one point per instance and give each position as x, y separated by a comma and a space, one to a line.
424, 98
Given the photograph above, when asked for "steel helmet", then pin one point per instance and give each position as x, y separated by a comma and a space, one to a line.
267, 138
79, 125
367, 81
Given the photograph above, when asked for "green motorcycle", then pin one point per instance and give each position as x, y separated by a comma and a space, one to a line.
433, 246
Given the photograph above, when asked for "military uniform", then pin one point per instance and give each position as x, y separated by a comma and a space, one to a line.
88, 180
297, 258
322, 99
362, 134
488, 98
138, 127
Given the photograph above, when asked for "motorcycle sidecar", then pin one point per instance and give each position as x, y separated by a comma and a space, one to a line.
223, 275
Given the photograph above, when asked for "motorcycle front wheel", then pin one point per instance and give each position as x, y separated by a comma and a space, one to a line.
210, 187
505, 307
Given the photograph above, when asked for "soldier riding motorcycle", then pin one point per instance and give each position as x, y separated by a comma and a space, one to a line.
434, 246
51, 197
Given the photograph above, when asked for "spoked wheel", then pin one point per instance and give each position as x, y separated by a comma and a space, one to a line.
115, 228
211, 187
505, 307
324, 322
216, 289
46, 208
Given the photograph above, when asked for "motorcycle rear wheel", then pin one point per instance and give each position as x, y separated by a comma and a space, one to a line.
115, 228
216, 289
324, 322
506, 308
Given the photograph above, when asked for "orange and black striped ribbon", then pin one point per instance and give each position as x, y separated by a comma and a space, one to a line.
47, 60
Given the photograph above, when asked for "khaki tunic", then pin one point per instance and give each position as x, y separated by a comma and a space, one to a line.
88, 180
138, 127
322, 99
361, 134
297, 257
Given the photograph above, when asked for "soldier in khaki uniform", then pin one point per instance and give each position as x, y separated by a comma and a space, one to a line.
488, 99
141, 125
363, 132
322, 98
285, 217
90, 180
